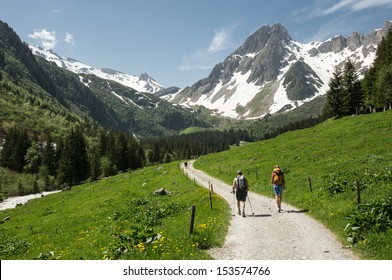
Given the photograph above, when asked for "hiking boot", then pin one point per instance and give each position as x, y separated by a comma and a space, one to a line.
279, 210
243, 214
239, 212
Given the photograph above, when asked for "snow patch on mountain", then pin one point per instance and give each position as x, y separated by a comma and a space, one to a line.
142, 83
241, 93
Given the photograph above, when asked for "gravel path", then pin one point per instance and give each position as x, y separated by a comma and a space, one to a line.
267, 234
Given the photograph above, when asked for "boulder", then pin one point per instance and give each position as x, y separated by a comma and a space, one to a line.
160, 191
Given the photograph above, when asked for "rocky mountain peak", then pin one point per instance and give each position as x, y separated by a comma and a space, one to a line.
262, 53
271, 72
262, 37
355, 40
145, 77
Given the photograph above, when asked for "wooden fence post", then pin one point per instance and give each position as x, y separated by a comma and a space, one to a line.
192, 223
211, 188
310, 184
358, 193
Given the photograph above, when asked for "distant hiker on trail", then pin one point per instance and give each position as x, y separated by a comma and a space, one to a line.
240, 188
279, 184
185, 164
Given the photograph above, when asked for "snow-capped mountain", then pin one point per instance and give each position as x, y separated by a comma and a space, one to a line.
271, 72
142, 83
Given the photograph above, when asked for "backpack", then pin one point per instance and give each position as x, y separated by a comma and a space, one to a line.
278, 177
242, 183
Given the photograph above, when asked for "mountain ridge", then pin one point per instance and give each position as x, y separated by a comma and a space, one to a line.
35, 92
141, 83
271, 72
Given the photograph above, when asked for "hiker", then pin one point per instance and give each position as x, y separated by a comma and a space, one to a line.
185, 164
240, 188
279, 184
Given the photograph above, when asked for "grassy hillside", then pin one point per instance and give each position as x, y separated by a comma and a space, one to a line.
334, 155
117, 218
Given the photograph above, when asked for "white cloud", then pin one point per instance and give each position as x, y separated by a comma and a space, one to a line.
46, 38
69, 39
354, 5
325, 8
206, 58
364, 4
221, 41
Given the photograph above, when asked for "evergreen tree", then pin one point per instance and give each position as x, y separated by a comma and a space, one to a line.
74, 165
94, 160
352, 92
110, 151
2, 59
369, 88
334, 105
103, 143
156, 155
384, 88
377, 80
137, 156
384, 52
122, 153
15, 149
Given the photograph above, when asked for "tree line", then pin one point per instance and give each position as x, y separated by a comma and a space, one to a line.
186, 146
71, 159
92, 153
348, 95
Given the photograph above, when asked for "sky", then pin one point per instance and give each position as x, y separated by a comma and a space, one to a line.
178, 42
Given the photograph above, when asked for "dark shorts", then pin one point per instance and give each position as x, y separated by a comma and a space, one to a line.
241, 195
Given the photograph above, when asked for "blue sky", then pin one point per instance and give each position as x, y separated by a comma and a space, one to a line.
177, 42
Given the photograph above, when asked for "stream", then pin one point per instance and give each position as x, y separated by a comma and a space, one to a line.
12, 202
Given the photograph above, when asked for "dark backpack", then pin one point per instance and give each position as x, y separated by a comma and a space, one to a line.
242, 183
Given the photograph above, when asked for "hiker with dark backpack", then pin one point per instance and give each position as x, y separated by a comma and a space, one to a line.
279, 184
240, 188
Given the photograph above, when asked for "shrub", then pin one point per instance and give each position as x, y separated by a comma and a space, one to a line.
368, 219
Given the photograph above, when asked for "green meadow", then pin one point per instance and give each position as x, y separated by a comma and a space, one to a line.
326, 166
118, 218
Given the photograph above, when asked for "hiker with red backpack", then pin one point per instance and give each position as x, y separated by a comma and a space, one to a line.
240, 188
279, 185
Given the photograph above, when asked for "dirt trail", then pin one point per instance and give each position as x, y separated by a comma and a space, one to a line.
291, 235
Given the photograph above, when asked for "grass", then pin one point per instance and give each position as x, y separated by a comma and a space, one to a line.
117, 218
334, 155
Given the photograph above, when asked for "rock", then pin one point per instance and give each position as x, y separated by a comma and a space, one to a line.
160, 191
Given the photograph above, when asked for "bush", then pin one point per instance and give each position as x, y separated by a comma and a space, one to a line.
13, 246
368, 219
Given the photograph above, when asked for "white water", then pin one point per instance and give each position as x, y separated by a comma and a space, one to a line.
11, 202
